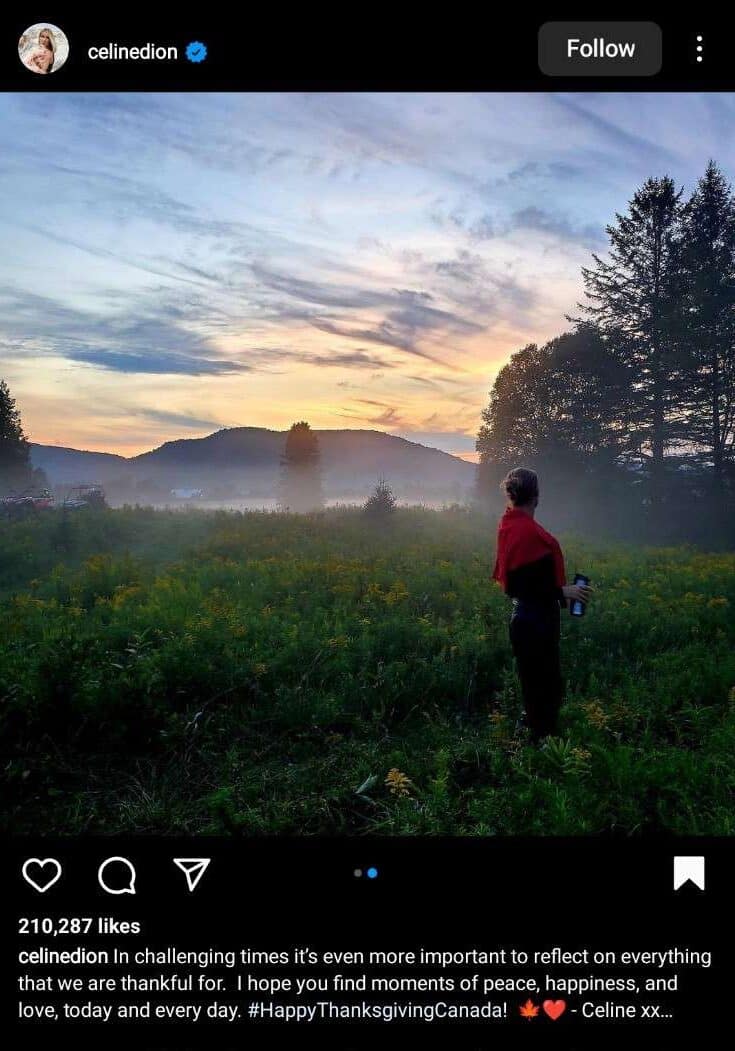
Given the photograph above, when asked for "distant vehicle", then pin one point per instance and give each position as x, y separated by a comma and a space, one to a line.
17, 506
187, 494
82, 496
44, 501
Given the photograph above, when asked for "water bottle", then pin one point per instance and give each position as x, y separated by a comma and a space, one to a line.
577, 608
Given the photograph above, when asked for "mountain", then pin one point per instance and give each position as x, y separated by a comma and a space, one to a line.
75, 466
245, 461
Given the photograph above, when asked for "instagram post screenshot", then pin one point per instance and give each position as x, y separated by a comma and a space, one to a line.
367, 530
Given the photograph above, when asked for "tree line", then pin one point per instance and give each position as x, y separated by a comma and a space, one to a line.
630, 415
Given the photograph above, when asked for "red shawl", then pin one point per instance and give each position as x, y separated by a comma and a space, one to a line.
522, 540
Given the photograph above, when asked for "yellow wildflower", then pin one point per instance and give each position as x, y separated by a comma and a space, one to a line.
582, 755
398, 592
596, 716
338, 642
398, 783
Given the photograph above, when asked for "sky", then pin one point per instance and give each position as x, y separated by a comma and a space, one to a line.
174, 264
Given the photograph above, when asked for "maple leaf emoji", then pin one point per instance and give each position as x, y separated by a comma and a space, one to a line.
529, 1009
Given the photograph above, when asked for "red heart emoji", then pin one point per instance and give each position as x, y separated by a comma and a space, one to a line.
555, 1008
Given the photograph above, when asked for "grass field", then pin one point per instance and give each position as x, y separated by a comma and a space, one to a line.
262, 673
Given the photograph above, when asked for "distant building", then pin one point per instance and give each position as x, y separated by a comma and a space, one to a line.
187, 494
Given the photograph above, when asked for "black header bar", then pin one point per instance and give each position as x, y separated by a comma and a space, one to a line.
300, 52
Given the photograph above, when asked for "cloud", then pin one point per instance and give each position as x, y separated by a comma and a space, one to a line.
126, 341
406, 309
387, 417
179, 419
383, 334
357, 358
556, 225
532, 173
105, 253
404, 326
481, 288
321, 293
155, 364
489, 227
622, 141
483, 229
344, 359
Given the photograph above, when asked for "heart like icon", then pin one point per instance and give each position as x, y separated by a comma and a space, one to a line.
555, 1008
43, 880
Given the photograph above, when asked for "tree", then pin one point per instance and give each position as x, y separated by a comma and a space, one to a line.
381, 501
557, 409
708, 225
636, 300
301, 483
561, 400
16, 470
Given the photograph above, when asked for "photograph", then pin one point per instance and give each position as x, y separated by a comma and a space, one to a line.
367, 462
43, 48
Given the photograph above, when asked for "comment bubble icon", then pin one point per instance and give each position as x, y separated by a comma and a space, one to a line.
116, 875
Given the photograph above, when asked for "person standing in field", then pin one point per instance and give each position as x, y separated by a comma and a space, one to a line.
529, 566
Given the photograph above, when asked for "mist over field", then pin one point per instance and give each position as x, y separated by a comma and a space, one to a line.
333, 673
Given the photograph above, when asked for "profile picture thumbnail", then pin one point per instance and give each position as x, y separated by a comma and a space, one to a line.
43, 48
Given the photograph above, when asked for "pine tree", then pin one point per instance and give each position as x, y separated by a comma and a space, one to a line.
709, 257
382, 501
636, 299
301, 482
16, 471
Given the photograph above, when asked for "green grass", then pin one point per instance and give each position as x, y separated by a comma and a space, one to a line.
261, 673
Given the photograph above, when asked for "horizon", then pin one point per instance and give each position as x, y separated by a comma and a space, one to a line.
252, 427
377, 256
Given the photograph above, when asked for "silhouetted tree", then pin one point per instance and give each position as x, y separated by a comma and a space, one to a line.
709, 258
563, 399
636, 300
557, 408
16, 470
301, 482
381, 501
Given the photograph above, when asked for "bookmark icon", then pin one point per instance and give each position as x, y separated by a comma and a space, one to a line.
193, 869
688, 869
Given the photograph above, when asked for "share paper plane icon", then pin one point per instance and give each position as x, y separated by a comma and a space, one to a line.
193, 869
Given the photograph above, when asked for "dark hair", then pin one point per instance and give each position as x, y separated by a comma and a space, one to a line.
520, 486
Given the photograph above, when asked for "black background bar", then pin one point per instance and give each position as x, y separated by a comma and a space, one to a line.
275, 893
303, 50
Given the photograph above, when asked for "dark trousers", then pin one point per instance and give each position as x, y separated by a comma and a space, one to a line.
534, 635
